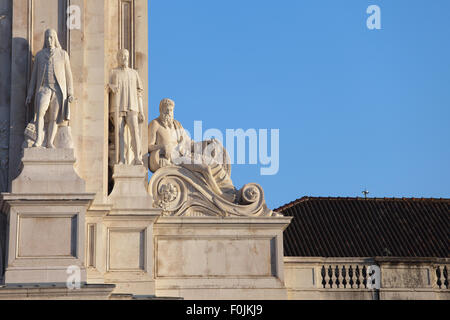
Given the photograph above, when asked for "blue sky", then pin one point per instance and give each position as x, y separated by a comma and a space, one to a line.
356, 108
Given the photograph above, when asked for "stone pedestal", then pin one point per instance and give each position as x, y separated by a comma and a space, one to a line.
120, 238
45, 219
213, 258
129, 195
48, 171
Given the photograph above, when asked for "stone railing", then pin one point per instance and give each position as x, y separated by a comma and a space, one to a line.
345, 276
366, 278
442, 276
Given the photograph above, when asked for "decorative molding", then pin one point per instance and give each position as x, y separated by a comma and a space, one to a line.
91, 244
30, 37
127, 28
169, 193
71, 221
142, 247
62, 22
181, 192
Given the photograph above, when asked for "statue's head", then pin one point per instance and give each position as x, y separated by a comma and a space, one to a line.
166, 107
123, 57
51, 39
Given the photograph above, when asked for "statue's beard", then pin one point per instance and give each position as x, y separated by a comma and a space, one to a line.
167, 120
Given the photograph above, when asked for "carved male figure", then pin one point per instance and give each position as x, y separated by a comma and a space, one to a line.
169, 145
52, 85
126, 108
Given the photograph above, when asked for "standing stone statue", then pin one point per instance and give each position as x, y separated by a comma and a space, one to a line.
52, 86
126, 109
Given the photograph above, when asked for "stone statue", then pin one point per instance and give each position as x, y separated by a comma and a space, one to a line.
169, 145
194, 178
52, 87
126, 109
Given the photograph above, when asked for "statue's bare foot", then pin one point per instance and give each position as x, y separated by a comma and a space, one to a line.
50, 146
35, 145
138, 162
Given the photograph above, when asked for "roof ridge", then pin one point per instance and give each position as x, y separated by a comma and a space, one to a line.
292, 203
308, 198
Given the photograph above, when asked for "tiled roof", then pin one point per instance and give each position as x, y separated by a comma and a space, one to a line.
373, 227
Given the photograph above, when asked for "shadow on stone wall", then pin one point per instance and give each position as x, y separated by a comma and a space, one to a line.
2, 246
20, 113
5, 88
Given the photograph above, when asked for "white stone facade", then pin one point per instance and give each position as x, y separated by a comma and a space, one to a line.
76, 207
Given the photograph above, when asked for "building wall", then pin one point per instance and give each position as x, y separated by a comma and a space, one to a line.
105, 27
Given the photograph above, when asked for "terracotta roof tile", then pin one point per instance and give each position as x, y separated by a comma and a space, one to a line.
359, 227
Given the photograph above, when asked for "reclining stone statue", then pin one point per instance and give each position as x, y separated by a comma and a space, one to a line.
194, 178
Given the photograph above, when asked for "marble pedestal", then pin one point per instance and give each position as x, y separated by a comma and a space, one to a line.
129, 195
48, 171
45, 215
120, 239
215, 258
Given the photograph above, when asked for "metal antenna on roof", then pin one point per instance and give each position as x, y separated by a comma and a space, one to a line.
365, 193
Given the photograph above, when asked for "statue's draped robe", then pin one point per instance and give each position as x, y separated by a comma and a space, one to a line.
62, 73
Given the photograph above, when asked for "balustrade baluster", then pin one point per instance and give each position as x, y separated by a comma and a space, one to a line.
358, 282
350, 274
336, 273
323, 274
330, 275
364, 276
438, 276
344, 276
445, 273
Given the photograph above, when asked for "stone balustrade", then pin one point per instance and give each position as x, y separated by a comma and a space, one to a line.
344, 276
366, 278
